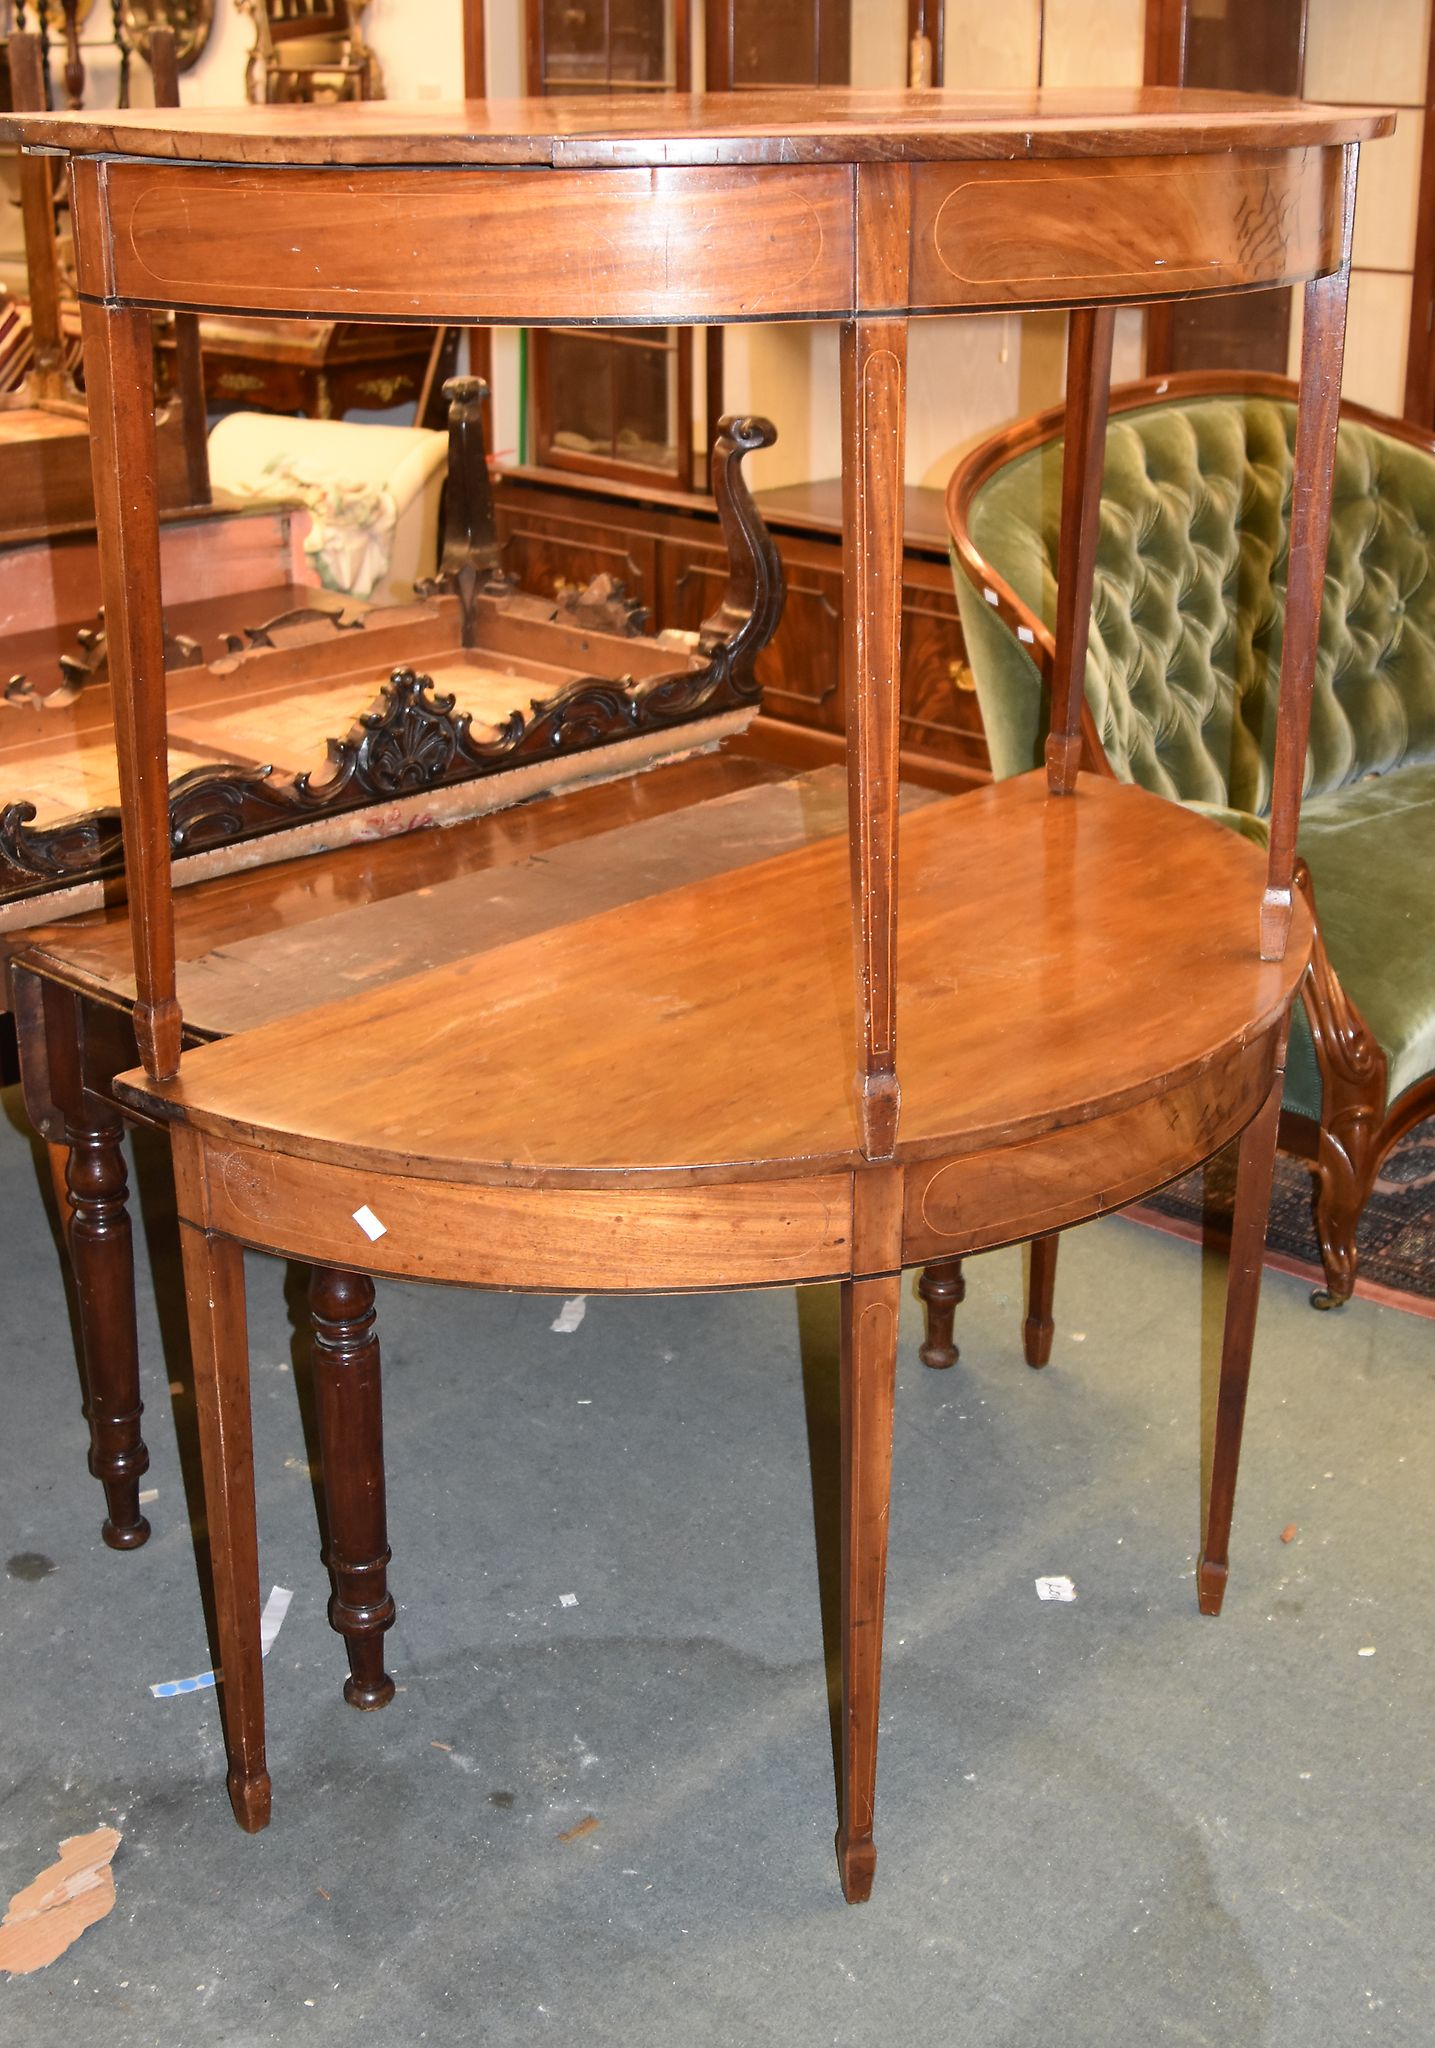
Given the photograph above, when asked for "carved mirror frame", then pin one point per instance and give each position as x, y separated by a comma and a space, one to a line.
623, 683
191, 20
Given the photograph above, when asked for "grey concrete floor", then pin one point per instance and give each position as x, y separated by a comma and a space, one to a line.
1101, 1825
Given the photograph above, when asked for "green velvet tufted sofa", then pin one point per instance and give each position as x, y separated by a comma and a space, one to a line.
1188, 610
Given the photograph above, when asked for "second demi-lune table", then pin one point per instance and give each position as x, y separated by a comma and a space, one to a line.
702, 1090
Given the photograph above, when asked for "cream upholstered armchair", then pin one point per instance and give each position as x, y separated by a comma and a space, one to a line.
1188, 612
372, 494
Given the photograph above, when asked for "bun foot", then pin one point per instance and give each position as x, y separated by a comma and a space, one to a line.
126, 1535
369, 1694
250, 1798
856, 1866
1211, 1585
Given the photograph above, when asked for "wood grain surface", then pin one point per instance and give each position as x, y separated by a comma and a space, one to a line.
561, 1240
1060, 1176
632, 245
676, 244
781, 127
258, 918
717, 1019
1032, 233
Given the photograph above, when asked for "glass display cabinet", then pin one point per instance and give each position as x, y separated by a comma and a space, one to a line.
612, 401
754, 43
620, 404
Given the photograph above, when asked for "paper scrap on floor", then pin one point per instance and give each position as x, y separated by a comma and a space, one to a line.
69, 1895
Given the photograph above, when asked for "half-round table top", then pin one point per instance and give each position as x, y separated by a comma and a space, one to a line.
777, 126
1060, 959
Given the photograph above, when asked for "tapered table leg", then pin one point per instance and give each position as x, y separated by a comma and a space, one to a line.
869, 1366
214, 1283
874, 371
1088, 382
351, 1435
102, 1259
119, 383
1322, 355
1038, 1329
1255, 1168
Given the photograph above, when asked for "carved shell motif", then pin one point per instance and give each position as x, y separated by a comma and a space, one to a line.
409, 744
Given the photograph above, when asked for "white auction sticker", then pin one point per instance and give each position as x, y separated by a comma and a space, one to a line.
1055, 1589
369, 1223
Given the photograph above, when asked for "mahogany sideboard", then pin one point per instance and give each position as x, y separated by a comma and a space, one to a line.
703, 1089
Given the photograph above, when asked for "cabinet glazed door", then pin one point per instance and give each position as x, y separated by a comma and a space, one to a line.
609, 401
753, 43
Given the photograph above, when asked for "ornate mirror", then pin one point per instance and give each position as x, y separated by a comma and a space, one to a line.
191, 21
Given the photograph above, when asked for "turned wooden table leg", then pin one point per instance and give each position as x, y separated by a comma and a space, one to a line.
58, 1156
1038, 1329
943, 1289
1255, 1170
869, 1368
349, 1398
102, 1259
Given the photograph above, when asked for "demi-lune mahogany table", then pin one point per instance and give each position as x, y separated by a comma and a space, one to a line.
1090, 989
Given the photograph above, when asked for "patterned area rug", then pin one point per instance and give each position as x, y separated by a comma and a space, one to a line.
1397, 1231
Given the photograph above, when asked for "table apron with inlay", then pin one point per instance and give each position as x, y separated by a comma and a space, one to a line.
576, 248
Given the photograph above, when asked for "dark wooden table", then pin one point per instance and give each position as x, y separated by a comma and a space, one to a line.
702, 1089
259, 945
